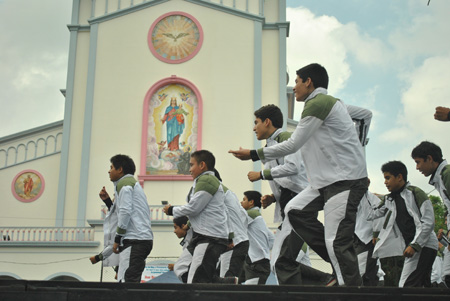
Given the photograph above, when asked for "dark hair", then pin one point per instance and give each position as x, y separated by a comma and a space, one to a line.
273, 113
395, 168
217, 174
125, 162
255, 196
180, 221
317, 73
205, 156
425, 149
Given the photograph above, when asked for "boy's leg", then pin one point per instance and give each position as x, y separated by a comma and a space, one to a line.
124, 263
303, 218
139, 250
224, 263
370, 277
285, 196
392, 267
417, 269
436, 272
299, 225
341, 203
286, 268
181, 267
204, 260
257, 272
368, 267
236, 263
446, 267
311, 276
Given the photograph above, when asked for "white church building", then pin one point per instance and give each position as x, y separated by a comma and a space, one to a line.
212, 61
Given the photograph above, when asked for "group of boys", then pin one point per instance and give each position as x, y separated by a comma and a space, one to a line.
222, 230
335, 165
320, 166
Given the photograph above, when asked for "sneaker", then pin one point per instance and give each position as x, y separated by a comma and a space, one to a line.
331, 281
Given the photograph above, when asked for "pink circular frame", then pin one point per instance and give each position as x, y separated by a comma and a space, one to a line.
161, 83
13, 189
169, 61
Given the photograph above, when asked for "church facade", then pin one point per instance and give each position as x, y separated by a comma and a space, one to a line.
153, 79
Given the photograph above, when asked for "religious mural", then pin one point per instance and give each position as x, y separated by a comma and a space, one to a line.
172, 130
175, 37
28, 186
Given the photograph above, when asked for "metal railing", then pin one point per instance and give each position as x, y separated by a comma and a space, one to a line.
156, 214
46, 234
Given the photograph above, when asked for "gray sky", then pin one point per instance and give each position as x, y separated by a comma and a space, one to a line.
34, 43
392, 57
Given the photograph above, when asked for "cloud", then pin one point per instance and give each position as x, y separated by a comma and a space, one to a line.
403, 75
424, 33
325, 40
33, 63
426, 88
367, 50
310, 40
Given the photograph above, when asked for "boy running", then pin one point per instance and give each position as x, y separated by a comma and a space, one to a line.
208, 216
336, 168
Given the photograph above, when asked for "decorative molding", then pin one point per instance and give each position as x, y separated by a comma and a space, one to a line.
292, 122
283, 33
78, 27
282, 66
124, 11
52, 244
95, 222
99, 223
231, 10
157, 216
257, 88
33, 131
68, 94
277, 26
21, 153
46, 234
87, 127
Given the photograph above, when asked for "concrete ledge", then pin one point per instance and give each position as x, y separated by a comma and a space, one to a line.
51, 244
99, 222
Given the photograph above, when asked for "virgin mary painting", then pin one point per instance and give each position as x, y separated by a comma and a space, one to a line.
174, 119
172, 130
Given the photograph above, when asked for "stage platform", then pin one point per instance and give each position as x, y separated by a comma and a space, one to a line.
22, 290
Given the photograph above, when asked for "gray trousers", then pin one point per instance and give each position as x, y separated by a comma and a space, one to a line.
333, 240
205, 254
417, 269
257, 271
232, 261
368, 266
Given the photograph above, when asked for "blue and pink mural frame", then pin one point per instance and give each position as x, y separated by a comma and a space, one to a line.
171, 130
